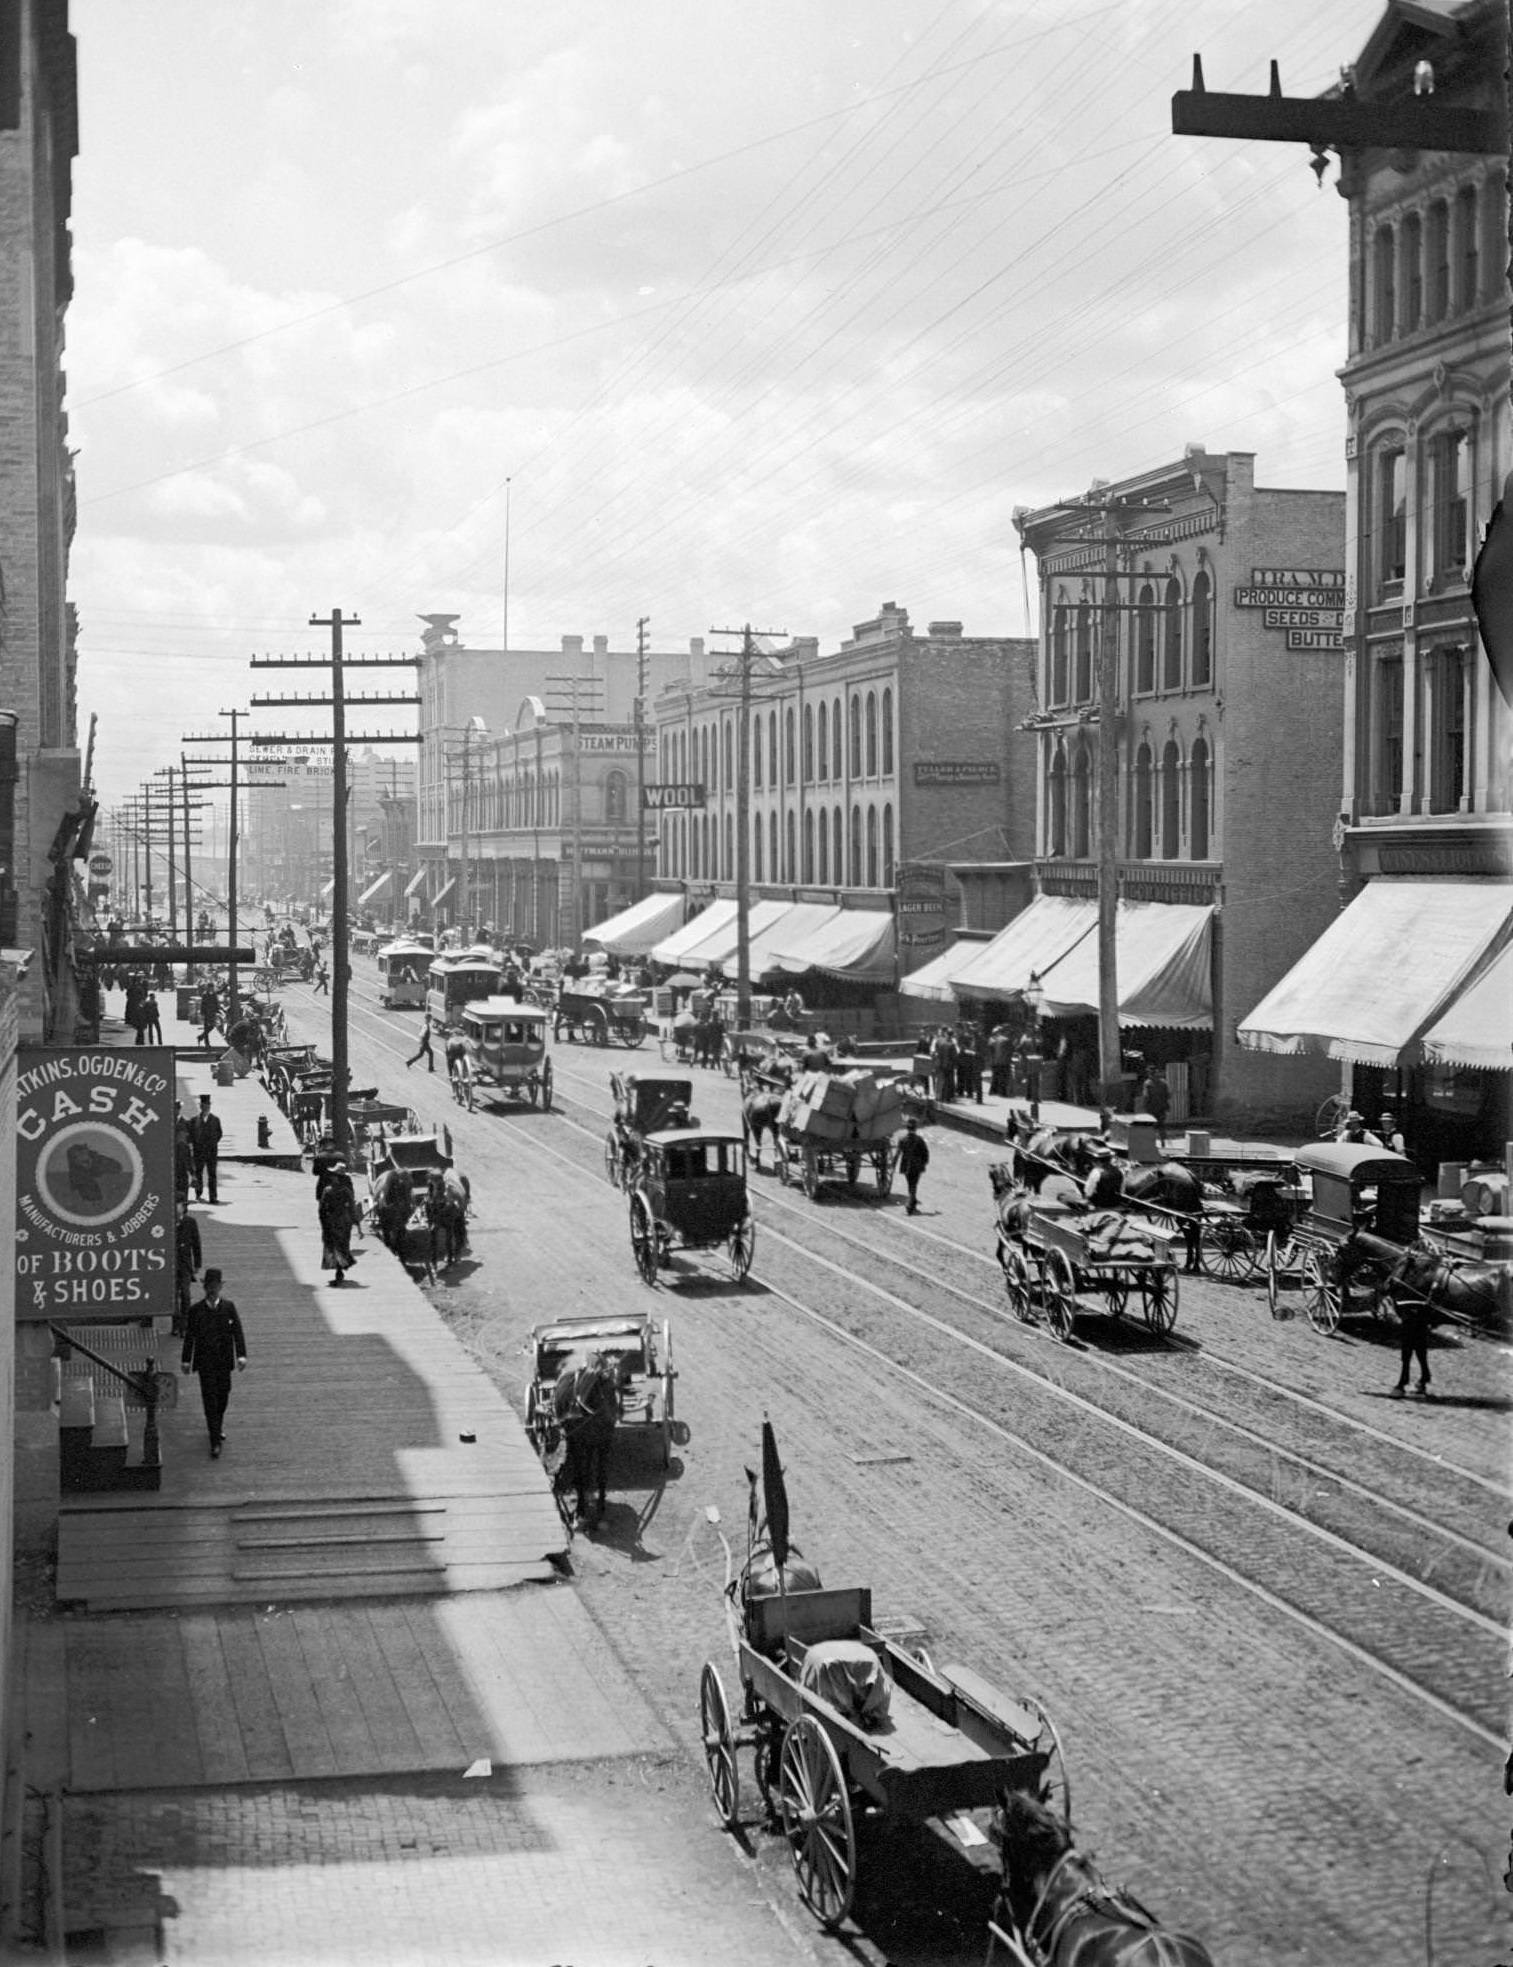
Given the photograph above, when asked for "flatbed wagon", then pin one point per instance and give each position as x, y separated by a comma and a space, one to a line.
1051, 1251
616, 1014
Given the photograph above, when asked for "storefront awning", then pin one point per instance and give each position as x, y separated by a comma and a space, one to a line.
933, 980
675, 949
718, 948
1383, 971
328, 890
793, 923
1477, 1030
1038, 937
443, 891
415, 883
857, 945
1164, 962
635, 931
375, 888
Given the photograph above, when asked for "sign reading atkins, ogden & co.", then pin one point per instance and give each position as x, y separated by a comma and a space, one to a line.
94, 1183
1307, 601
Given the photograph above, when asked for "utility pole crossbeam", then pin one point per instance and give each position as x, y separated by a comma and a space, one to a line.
1338, 120
748, 636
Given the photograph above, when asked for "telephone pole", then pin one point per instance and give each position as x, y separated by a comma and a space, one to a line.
337, 663
642, 651
748, 636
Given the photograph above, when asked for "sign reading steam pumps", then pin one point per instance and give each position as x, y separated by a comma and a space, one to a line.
94, 1183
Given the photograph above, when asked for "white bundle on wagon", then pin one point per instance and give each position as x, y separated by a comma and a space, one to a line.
849, 1675
844, 1106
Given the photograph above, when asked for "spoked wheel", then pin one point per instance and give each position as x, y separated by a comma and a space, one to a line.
1321, 1296
811, 1171
883, 1162
614, 1165
817, 1822
1018, 1282
1115, 1290
643, 1239
1059, 1283
742, 1248
1329, 1115
1056, 1783
1158, 1299
1229, 1250
1368, 1290
719, 1747
633, 1032
1280, 1261
546, 1087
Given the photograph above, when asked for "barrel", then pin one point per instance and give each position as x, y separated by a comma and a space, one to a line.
1486, 1193
1452, 1179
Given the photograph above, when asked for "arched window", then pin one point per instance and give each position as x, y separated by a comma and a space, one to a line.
1144, 814
856, 737
1171, 801
887, 846
1082, 803
1383, 285
772, 747
1197, 801
693, 848
1056, 816
1083, 691
1203, 633
1467, 249
1145, 641
872, 847
824, 741
614, 799
772, 843
789, 835
704, 758
835, 742
887, 734
1412, 284
855, 868
837, 865
1058, 656
808, 744
1437, 271
808, 874
1171, 641
729, 872
756, 754
790, 761
756, 847
729, 754
823, 871
871, 741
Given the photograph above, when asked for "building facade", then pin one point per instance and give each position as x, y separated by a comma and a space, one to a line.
1229, 693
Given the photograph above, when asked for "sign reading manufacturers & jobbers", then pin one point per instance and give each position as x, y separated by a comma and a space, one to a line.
94, 1183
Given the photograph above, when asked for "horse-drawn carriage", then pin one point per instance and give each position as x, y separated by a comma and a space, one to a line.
508, 1044
646, 1102
846, 1724
828, 1124
688, 1192
1053, 1246
1360, 1216
638, 1390
599, 1013
413, 1184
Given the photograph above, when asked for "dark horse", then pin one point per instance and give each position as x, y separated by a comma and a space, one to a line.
759, 1116
586, 1406
1456, 1288
1170, 1187
393, 1199
446, 1217
1055, 1906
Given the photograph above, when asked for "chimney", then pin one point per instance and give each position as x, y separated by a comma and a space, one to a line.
572, 645
804, 648
945, 631
601, 645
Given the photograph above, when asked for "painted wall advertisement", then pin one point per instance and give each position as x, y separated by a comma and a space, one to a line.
922, 915
94, 1183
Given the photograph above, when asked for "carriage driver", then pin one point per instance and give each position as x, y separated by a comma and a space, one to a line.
1104, 1187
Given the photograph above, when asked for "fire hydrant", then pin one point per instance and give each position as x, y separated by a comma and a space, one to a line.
264, 1131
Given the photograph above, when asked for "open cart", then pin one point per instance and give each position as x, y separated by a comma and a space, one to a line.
1052, 1251
639, 1349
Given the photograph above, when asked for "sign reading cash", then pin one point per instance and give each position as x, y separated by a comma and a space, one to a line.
94, 1183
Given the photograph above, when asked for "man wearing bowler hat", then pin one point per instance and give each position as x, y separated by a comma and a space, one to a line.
215, 1348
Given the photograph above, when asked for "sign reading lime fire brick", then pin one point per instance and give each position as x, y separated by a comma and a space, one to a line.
94, 1183
921, 904
956, 771
671, 798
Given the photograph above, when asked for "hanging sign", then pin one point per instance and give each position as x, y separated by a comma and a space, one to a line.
94, 1183
671, 798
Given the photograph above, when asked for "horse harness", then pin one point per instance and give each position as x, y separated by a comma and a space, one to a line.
1034, 1949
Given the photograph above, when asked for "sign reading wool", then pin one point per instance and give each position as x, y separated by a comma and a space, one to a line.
94, 1182
671, 798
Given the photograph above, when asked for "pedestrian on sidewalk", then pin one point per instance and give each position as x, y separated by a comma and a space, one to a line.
1414, 1319
188, 1256
423, 1049
183, 1156
210, 1014
1155, 1099
913, 1159
205, 1132
339, 1215
152, 1020
1000, 1060
215, 1348
1031, 1060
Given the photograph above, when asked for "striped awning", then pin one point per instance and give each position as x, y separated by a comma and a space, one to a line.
793, 922
443, 891
636, 931
933, 980
375, 888
674, 949
1164, 962
328, 890
857, 944
1477, 1030
415, 883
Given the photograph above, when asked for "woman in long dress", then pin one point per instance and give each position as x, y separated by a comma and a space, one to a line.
339, 1216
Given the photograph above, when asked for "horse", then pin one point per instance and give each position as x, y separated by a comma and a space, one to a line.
759, 1116
1171, 1187
1056, 1908
446, 1206
1017, 1203
1459, 1288
1039, 1151
586, 1406
393, 1199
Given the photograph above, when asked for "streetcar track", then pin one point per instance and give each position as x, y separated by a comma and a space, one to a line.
514, 1127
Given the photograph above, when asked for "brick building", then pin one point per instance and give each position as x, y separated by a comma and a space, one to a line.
1423, 831
1229, 719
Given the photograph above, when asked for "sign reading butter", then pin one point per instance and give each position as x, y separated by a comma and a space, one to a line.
94, 1182
1315, 638
956, 771
670, 798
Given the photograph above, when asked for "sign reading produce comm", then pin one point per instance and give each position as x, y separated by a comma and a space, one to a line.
94, 1182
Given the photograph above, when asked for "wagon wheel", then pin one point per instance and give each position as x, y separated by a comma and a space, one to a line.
1229, 1250
811, 1170
265, 980
1018, 1282
614, 1161
1058, 1285
882, 1161
1368, 1290
816, 1813
546, 1086
1329, 1115
719, 1746
1279, 1260
540, 1422
1056, 1783
597, 1031
643, 1239
742, 1248
1115, 1289
1158, 1299
632, 1032
669, 1378
1321, 1295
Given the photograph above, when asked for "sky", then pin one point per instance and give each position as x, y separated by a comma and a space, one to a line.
707, 313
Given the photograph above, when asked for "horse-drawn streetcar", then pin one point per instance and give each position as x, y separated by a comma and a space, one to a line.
508, 1048
688, 1192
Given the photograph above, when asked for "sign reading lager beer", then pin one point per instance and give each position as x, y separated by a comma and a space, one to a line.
921, 905
94, 1183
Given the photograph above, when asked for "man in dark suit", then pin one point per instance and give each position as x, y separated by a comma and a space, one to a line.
215, 1349
205, 1143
